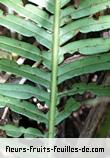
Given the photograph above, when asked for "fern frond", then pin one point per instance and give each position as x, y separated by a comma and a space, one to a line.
57, 38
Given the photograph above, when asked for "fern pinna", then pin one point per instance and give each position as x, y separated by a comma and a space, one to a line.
58, 55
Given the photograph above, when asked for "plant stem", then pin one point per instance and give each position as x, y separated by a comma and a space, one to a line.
55, 50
